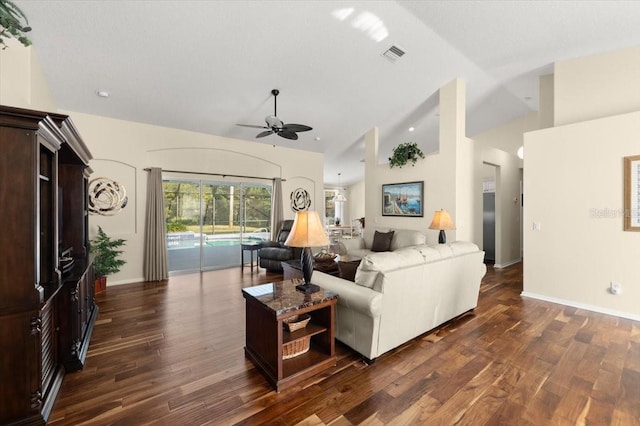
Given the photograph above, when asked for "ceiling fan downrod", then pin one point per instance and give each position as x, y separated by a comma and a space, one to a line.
275, 93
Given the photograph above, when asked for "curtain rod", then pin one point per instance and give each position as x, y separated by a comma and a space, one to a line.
215, 174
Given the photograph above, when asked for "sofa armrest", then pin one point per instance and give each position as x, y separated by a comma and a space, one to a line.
347, 244
350, 295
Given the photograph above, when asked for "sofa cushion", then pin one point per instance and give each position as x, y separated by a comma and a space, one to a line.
382, 241
463, 247
347, 270
374, 264
444, 250
429, 253
407, 238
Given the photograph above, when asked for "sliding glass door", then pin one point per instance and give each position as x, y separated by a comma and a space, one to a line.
207, 221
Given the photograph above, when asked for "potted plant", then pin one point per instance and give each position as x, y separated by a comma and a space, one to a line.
107, 257
404, 153
11, 24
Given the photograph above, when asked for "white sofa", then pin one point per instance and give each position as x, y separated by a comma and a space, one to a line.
402, 294
360, 247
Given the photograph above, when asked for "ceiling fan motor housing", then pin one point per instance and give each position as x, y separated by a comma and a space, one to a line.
274, 122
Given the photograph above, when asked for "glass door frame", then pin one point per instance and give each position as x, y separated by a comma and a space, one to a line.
239, 188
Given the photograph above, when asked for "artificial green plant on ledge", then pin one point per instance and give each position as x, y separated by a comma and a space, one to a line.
11, 25
404, 153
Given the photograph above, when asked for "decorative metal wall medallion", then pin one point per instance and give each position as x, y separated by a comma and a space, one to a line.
300, 200
106, 197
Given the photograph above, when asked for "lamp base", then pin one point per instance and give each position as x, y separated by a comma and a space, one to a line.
442, 237
308, 288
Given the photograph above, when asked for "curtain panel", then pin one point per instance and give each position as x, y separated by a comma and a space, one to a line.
155, 247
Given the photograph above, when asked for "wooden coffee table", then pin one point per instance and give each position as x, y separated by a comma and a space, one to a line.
267, 308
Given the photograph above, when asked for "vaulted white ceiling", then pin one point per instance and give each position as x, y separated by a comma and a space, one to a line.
207, 65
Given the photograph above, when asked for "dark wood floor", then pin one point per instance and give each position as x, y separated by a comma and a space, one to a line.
172, 353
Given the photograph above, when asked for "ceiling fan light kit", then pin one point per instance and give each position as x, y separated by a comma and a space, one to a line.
277, 126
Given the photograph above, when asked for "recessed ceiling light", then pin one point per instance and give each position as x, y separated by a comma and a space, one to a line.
102, 93
317, 138
411, 129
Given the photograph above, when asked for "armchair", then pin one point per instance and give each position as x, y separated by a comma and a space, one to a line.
273, 252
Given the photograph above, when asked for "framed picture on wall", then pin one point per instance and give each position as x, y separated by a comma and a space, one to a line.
403, 199
632, 193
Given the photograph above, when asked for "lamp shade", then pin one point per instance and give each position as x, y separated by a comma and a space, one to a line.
441, 220
307, 231
339, 198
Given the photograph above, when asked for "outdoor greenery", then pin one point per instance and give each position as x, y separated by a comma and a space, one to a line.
11, 25
404, 153
107, 254
220, 204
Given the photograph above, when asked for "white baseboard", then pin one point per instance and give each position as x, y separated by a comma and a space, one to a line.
574, 304
505, 264
121, 282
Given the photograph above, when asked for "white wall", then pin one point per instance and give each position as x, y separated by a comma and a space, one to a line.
122, 150
355, 201
509, 137
442, 179
573, 185
22, 82
597, 86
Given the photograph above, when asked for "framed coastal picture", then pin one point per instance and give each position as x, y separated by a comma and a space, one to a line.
632, 193
403, 199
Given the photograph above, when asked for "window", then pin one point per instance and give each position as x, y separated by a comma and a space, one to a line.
329, 207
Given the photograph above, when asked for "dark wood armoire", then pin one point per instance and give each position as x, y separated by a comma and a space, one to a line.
47, 307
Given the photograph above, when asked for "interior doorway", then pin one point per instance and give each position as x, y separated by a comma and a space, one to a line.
489, 188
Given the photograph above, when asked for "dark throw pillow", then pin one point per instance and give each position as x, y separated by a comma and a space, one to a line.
382, 241
348, 269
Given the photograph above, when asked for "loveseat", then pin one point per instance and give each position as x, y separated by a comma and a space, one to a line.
401, 294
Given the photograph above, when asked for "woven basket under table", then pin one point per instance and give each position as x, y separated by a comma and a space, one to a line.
297, 347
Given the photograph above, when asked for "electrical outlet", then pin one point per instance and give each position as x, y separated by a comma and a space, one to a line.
615, 288
537, 226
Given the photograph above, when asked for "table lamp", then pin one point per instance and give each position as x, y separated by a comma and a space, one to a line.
442, 220
307, 231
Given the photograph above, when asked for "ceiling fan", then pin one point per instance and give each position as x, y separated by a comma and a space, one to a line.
275, 125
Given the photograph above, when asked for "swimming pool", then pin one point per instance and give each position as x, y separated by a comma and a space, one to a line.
232, 242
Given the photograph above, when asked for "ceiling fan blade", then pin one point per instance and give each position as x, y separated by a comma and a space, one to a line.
296, 128
253, 126
265, 133
288, 135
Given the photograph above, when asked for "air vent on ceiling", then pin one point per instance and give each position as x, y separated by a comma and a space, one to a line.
394, 53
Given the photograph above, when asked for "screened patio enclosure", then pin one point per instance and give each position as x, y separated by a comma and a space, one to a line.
207, 220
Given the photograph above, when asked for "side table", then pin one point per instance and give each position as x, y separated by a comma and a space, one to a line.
250, 247
267, 308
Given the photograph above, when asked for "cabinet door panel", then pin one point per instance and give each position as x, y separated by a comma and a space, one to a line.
20, 365
18, 201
